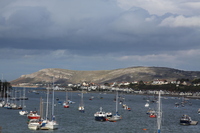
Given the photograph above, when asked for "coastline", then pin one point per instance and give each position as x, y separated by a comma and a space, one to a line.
106, 92
113, 92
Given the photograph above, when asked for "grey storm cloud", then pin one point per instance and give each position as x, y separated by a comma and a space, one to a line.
89, 26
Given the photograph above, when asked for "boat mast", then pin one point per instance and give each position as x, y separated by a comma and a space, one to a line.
23, 106
41, 107
2, 90
53, 101
159, 117
6, 94
82, 98
20, 98
47, 102
66, 96
117, 103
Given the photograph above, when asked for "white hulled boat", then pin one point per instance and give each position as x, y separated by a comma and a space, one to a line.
147, 104
116, 116
159, 113
2, 103
23, 111
50, 124
81, 107
34, 124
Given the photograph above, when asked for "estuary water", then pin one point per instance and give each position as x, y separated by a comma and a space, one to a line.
70, 120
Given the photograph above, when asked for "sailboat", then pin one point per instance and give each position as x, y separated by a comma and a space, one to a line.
13, 103
50, 124
125, 106
23, 97
70, 101
2, 101
7, 104
34, 124
159, 113
116, 116
66, 103
81, 106
147, 104
23, 111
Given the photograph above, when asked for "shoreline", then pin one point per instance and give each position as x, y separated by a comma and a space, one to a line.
163, 95
110, 92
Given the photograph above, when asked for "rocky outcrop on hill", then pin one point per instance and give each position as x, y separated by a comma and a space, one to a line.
65, 76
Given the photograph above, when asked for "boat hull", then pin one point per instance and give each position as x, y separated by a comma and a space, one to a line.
81, 109
33, 117
152, 116
49, 125
98, 118
66, 106
34, 127
34, 124
184, 122
115, 118
22, 112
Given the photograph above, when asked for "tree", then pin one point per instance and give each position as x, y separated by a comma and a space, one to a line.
106, 84
141, 82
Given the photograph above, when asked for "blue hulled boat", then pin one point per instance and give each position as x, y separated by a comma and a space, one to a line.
100, 115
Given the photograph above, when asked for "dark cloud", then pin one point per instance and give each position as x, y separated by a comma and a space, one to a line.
132, 30
94, 30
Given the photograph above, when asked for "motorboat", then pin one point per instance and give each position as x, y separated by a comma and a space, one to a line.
108, 115
81, 109
152, 115
147, 104
34, 124
185, 120
100, 115
150, 111
23, 112
176, 104
33, 115
65, 105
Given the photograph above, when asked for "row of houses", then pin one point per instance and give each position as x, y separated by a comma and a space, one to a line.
154, 82
114, 85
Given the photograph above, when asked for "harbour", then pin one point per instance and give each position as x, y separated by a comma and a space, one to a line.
134, 121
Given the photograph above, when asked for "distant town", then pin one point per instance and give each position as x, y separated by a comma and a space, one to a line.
174, 87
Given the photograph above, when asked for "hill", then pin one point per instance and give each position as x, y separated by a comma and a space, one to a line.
65, 76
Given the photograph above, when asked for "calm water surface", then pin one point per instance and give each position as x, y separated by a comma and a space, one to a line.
72, 121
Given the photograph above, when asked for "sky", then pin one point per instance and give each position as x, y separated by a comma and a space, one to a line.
98, 35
